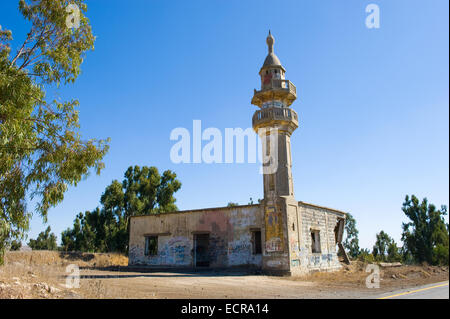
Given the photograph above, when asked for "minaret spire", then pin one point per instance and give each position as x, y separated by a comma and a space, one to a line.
270, 41
275, 89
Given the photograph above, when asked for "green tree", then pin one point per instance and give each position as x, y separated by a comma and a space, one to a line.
147, 192
380, 249
45, 241
15, 245
394, 252
143, 191
366, 256
426, 235
251, 201
4, 237
41, 150
351, 242
440, 255
231, 204
72, 238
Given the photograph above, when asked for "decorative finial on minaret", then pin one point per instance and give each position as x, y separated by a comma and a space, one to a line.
270, 41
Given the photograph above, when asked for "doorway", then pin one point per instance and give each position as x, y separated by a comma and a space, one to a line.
201, 244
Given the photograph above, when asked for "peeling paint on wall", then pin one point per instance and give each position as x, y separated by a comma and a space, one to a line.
323, 220
295, 262
230, 238
274, 229
229, 232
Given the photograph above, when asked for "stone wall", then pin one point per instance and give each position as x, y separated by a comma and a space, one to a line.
229, 230
324, 220
230, 238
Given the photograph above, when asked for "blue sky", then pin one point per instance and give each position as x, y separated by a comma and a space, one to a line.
373, 103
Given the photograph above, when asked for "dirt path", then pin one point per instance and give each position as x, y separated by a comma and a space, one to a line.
44, 274
194, 285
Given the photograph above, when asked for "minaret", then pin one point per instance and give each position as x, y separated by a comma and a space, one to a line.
274, 122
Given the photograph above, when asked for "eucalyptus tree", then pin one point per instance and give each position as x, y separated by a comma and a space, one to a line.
41, 150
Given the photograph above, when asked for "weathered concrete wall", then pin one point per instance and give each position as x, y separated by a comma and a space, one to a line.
296, 243
229, 229
230, 237
276, 239
324, 220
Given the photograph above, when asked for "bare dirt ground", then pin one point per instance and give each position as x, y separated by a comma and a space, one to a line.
42, 274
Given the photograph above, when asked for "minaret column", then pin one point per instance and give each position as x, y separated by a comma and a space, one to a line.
275, 122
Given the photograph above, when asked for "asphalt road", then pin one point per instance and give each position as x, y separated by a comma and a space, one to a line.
437, 290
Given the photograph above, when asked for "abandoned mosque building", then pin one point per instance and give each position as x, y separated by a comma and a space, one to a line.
279, 235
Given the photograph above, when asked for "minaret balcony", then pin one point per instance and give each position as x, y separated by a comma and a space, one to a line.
277, 89
284, 84
275, 116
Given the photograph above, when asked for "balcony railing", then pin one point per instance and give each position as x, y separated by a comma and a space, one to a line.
284, 84
280, 84
276, 89
274, 113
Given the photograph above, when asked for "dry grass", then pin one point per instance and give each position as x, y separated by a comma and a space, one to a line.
42, 274
45, 257
354, 276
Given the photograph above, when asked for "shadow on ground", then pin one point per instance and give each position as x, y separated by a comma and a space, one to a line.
77, 256
150, 272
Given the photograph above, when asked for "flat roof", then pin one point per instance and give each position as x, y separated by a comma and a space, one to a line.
234, 207
197, 210
323, 207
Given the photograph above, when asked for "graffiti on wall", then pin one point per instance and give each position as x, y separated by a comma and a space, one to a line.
239, 247
274, 244
177, 250
321, 260
171, 251
240, 252
295, 262
274, 229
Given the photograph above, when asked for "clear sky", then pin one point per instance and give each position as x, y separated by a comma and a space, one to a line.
373, 103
